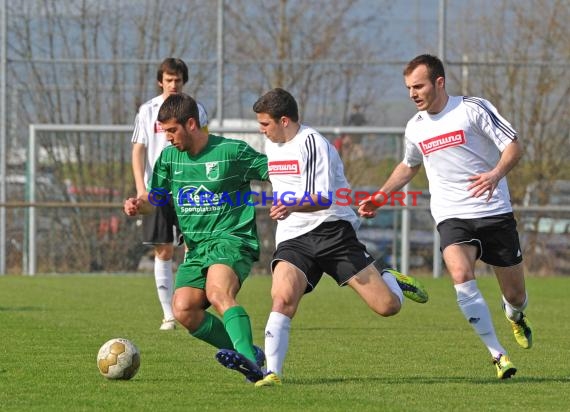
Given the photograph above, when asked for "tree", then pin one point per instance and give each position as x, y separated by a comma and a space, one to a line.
314, 49
523, 71
94, 62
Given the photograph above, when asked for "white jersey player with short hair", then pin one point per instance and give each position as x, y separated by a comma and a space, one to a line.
160, 228
454, 144
308, 162
316, 235
467, 149
145, 121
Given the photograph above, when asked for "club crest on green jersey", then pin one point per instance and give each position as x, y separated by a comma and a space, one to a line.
212, 170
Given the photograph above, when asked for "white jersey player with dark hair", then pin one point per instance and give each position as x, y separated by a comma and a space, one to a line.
160, 227
315, 234
467, 149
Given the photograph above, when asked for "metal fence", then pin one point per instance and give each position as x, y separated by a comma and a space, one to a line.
65, 207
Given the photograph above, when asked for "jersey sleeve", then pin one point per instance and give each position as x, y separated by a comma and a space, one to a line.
140, 132
486, 118
254, 163
412, 155
316, 174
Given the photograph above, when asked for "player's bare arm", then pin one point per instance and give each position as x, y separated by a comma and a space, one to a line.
487, 182
138, 162
401, 175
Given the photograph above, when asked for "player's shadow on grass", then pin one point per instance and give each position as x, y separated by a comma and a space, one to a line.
20, 308
426, 380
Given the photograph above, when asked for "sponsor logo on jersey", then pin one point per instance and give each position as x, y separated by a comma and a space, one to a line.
284, 167
443, 141
158, 127
198, 199
212, 170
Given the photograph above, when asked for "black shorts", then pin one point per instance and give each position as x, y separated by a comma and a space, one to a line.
496, 237
331, 248
161, 226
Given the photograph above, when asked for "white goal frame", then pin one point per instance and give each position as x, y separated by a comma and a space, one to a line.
30, 251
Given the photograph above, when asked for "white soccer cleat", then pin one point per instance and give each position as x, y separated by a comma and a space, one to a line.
168, 324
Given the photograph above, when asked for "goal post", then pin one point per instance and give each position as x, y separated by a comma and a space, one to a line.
87, 143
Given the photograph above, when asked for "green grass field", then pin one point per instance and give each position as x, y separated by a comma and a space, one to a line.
342, 357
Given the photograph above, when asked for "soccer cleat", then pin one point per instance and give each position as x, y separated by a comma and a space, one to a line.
411, 287
236, 361
505, 368
168, 324
271, 379
522, 331
259, 359
259, 356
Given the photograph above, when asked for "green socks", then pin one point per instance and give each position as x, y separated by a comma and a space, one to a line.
236, 321
212, 331
234, 333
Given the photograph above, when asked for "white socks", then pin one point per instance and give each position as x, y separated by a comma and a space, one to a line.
514, 313
392, 284
476, 311
276, 341
164, 285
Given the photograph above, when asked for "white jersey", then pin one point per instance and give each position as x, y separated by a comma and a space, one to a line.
149, 132
307, 164
465, 139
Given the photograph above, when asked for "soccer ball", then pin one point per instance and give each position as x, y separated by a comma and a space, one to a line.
118, 358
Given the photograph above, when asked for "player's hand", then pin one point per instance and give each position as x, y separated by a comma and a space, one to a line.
483, 183
279, 211
131, 206
366, 208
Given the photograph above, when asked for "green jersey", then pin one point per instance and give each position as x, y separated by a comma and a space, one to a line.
211, 191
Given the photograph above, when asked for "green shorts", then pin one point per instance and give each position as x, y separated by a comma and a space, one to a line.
192, 272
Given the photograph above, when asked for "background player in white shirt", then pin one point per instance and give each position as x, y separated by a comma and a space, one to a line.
467, 149
315, 235
148, 141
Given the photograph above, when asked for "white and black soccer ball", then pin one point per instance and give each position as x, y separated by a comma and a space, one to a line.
118, 358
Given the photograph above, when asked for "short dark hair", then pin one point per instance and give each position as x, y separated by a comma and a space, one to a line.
179, 106
433, 64
276, 103
172, 65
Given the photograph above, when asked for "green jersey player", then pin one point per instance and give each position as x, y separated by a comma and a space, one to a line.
209, 179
